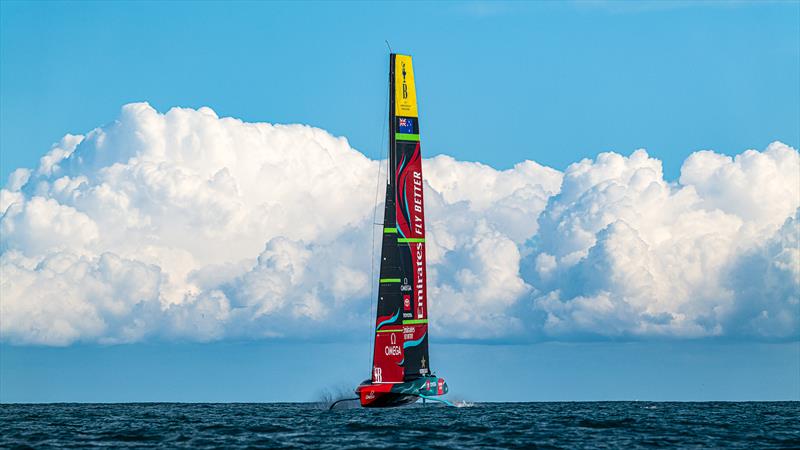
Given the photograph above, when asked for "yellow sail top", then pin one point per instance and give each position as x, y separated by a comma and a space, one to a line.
405, 99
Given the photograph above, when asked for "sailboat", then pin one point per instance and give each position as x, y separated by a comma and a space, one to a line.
401, 371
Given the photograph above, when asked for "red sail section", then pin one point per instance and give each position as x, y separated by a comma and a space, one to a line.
410, 211
388, 357
411, 227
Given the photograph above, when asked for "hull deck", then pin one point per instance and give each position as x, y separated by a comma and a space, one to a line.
387, 395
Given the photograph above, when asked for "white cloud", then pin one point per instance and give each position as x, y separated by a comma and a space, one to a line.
761, 188
185, 225
40, 224
62, 297
621, 252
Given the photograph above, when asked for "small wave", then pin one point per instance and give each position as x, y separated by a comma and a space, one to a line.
374, 427
463, 404
613, 423
131, 437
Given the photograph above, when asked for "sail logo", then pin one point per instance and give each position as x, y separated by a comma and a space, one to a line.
420, 281
418, 201
405, 287
405, 86
378, 375
392, 350
405, 125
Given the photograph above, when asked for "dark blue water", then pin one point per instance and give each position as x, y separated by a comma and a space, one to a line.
484, 425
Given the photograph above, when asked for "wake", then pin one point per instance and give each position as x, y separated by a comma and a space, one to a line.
337, 397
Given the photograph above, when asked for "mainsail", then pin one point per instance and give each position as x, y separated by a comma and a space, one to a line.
401, 332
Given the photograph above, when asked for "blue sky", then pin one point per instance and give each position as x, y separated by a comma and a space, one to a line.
498, 83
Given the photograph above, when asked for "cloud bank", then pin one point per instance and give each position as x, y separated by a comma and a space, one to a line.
188, 226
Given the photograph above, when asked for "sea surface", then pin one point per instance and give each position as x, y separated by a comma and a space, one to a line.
480, 425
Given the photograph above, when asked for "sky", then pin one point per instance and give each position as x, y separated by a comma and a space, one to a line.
612, 197
553, 82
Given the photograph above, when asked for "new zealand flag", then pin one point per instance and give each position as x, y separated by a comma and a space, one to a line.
405, 125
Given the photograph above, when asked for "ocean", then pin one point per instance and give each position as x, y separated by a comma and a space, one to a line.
481, 425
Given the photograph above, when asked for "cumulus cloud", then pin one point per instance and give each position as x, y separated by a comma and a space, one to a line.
185, 225
622, 252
